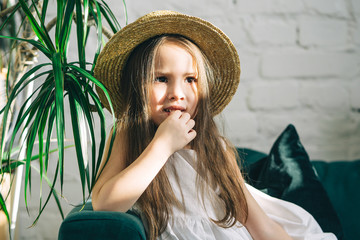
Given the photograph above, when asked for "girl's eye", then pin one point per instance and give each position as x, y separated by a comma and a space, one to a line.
191, 79
160, 79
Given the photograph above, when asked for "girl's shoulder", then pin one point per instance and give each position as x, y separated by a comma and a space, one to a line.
114, 149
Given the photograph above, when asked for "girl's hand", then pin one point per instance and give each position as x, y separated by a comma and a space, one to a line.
176, 131
119, 186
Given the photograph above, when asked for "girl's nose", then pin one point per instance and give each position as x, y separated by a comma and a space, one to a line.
175, 92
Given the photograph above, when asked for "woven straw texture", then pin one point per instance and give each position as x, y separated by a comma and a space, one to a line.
212, 41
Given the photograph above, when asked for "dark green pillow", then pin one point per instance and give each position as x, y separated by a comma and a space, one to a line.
287, 173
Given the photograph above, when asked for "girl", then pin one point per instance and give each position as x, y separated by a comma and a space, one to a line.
168, 74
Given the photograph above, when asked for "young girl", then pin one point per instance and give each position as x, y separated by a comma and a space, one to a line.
168, 75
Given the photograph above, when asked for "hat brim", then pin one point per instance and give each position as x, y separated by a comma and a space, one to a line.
217, 47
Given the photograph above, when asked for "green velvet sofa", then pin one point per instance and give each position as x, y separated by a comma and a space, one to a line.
330, 191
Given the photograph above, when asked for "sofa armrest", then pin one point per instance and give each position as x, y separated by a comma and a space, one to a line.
88, 224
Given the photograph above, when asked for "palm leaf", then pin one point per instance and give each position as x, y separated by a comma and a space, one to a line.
36, 44
82, 108
59, 20
40, 32
125, 12
50, 125
75, 112
97, 18
65, 30
52, 192
102, 87
24, 111
16, 162
44, 10
110, 17
100, 112
43, 110
59, 106
81, 32
11, 98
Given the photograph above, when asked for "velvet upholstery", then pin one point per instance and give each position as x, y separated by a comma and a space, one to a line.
86, 224
341, 180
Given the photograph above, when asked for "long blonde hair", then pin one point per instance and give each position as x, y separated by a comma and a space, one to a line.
216, 156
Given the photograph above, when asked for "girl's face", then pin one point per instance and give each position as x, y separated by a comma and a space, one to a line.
175, 83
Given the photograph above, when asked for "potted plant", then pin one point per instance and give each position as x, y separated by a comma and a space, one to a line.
40, 117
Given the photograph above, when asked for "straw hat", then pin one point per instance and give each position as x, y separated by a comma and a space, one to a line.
218, 48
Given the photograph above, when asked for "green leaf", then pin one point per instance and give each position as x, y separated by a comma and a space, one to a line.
14, 163
110, 17
94, 80
52, 191
83, 110
81, 33
75, 112
59, 20
66, 28
44, 10
99, 35
125, 12
40, 32
11, 98
36, 44
59, 106
36, 111
51, 122
102, 87
101, 114
83, 101
30, 143
29, 111
44, 110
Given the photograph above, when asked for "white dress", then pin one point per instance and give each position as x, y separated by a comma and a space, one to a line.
194, 223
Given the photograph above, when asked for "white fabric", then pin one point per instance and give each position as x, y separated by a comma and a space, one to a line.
193, 223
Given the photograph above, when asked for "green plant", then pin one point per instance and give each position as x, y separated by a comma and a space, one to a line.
58, 81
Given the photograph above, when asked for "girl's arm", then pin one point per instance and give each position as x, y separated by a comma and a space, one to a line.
259, 224
118, 186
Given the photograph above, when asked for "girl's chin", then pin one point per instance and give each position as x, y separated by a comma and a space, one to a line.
160, 117
159, 120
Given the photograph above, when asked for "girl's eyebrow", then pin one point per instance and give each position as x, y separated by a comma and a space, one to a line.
169, 73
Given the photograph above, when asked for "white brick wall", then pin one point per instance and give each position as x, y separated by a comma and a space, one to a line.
272, 30
270, 96
300, 64
355, 95
319, 31
333, 8
312, 64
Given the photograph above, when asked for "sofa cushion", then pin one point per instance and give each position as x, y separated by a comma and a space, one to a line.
287, 173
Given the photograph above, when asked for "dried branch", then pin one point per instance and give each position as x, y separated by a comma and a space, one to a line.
8, 10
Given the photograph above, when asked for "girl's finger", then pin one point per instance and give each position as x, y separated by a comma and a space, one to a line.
190, 123
176, 114
185, 117
192, 134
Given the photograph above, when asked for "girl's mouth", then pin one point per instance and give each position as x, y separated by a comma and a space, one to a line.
172, 109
